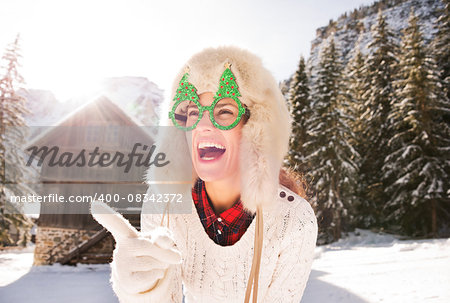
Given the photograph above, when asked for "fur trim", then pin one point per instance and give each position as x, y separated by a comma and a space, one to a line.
265, 136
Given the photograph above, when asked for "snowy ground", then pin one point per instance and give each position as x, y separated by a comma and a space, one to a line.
380, 268
361, 268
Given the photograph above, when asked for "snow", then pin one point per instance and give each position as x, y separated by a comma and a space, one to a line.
21, 282
368, 267
364, 267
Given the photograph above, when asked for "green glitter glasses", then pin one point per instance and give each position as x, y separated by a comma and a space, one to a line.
225, 112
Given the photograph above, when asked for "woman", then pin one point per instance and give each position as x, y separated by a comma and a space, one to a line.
233, 126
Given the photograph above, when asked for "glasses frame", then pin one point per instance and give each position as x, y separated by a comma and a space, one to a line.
242, 110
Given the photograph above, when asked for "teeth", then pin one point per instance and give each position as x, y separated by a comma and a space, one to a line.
210, 144
208, 158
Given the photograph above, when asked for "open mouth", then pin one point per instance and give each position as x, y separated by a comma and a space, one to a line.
210, 151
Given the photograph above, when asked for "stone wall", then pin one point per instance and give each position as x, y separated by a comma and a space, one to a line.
57, 242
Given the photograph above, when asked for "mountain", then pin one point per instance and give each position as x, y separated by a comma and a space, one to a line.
356, 25
138, 96
43, 106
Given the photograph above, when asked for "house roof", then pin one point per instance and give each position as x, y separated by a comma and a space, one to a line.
101, 111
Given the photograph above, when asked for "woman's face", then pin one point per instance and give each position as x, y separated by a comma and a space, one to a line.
215, 152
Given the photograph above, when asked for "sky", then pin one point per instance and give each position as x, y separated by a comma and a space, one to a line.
69, 46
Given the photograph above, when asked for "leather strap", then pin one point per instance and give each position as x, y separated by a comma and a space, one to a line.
256, 262
166, 210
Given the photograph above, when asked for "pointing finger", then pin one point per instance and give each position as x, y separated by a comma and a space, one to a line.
112, 221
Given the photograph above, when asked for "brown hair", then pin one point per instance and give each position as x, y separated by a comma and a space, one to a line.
294, 181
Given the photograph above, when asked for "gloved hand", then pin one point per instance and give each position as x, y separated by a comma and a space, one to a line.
140, 261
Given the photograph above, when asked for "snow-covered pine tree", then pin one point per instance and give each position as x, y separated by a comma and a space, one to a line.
13, 171
379, 73
301, 111
417, 168
327, 151
357, 84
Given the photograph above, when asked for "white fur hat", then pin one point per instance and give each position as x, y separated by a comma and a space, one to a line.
265, 136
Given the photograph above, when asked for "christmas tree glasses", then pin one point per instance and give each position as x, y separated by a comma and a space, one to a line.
225, 112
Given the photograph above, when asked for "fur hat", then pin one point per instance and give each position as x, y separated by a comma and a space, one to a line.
265, 136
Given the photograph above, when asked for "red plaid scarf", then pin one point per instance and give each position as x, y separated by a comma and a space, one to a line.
226, 228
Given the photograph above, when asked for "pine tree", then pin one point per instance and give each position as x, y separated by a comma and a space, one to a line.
380, 73
417, 168
328, 151
357, 84
300, 111
12, 168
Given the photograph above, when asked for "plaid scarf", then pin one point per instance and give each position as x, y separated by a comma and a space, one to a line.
225, 228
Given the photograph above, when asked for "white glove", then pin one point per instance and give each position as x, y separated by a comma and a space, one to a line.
141, 262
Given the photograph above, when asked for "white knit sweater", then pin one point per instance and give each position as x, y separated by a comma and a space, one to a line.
213, 273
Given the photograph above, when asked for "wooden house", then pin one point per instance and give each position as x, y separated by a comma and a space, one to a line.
66, 232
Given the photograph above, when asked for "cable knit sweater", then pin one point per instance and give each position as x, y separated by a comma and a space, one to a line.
213, 273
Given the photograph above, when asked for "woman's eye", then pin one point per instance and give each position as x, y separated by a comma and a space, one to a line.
193, 113
225, 111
